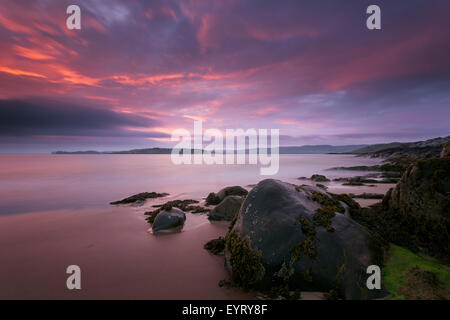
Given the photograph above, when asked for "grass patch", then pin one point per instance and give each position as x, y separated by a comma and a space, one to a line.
402, 260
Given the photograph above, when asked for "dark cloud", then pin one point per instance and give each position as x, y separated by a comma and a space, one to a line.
57, 118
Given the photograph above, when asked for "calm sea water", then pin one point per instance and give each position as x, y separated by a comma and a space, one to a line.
34, 183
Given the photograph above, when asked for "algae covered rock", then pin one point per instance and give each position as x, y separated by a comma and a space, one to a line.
140, 197
227, 209
416, 213
215, 246
303, 238
169, 220
212, 199
216, 198
423, 188
319, 178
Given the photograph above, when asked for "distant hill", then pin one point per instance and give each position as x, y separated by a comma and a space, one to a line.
78, 152
313, 149
133, 151
145, 151
420, 149
320, 149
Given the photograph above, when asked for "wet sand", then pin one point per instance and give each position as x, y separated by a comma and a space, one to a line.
118, 258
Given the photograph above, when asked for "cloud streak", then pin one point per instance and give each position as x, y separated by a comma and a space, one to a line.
311, 69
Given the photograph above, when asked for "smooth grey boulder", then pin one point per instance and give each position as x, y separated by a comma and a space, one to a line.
227, 209
169, 219
278, 238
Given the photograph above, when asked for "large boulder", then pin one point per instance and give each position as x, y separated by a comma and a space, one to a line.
416, 213
226, 209
424, 188
216, 198
301, 237
168, 220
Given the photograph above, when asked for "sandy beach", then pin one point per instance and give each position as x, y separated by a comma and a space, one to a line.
119, 259
68, 221
118, 256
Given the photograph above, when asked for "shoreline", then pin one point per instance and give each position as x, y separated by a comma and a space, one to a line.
114, 248
116, 256
115, 252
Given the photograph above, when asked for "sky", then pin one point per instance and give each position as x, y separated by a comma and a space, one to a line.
137, 70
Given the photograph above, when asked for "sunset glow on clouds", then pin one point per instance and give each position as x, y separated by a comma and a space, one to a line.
139, 69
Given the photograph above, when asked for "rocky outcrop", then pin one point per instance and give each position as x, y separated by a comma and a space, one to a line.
301, 237
140, 198
216, 198
417, 210
319, 178
226, 209
424, 188
168, 220
416, 213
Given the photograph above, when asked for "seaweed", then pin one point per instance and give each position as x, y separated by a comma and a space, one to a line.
307, 246
327, 201
215, 246
246, 267
323, 217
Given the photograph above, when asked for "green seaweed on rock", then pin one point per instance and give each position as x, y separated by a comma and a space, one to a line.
327, 201
307, 246
246, 266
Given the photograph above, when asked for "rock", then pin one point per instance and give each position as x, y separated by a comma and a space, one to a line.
356, 181
303, 238
214, 199
321, 186
353, 184
416, 213
226, 209
419, 206
215, 246
423, 188
231, 191
319, 178
140, 198
183, 205
367, 196
169, 219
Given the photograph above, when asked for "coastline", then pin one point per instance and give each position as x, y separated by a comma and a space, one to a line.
116, 253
